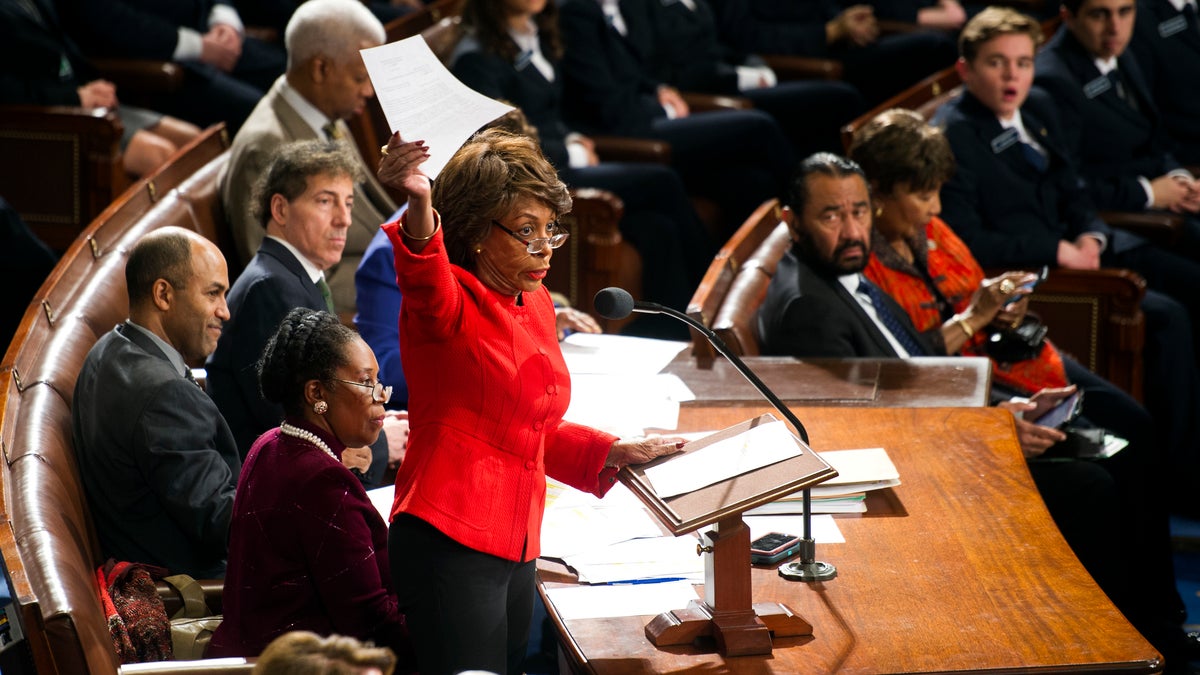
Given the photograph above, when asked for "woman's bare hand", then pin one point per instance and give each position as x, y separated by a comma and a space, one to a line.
399, 166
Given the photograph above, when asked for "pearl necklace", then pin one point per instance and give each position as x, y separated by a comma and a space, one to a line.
306, 435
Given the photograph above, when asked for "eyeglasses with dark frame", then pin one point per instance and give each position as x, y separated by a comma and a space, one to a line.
534, 246
379, 393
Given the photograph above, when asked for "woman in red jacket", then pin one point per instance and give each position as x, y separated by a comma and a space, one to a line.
487, 391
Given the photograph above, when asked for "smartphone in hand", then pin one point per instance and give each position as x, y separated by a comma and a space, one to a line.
1045, 272
1065, 411
773, 547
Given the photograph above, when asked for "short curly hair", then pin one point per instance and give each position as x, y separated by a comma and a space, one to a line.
308, 345
294, 164
484, 181
301, 652
898, 147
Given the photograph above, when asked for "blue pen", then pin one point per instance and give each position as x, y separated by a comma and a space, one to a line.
638, 582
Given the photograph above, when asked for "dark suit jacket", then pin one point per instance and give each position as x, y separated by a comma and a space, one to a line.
32, 54
1005, 211
157, 460
606, 91
808, 315
776, 26
273, 284
146, 29
1167, 48
1112, 144
521, 84
680, 46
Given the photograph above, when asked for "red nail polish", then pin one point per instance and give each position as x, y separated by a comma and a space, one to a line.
679, 445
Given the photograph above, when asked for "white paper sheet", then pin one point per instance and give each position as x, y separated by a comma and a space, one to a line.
640, 559
382, 498
618, 354
625, 405
597, 602
755, 448
424, 101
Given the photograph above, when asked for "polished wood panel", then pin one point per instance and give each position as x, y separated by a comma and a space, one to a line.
973, 575
912, 383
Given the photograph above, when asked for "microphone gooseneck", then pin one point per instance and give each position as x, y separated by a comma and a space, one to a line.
617, 303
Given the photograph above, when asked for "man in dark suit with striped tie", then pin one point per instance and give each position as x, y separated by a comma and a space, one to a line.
157, 461
819, 304
304, 202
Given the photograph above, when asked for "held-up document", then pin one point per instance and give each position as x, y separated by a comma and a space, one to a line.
424, 101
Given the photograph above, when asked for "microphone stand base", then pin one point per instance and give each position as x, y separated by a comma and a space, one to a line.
807, 571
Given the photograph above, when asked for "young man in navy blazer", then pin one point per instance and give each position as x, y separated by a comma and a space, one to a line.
1113, 125
1017, 201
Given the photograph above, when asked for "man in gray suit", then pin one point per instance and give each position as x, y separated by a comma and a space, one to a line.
158, 463
325, 84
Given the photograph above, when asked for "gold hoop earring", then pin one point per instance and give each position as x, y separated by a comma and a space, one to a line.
320, 407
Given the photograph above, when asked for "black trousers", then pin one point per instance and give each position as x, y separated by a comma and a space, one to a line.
465, 610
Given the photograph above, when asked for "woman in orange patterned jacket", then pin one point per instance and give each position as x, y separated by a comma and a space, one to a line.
926, 268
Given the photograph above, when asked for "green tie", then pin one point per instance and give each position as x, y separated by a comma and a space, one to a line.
327, 294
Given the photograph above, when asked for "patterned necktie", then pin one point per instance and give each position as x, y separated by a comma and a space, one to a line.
327, 294
332, 131
1123, 93
888, 318
1034, 157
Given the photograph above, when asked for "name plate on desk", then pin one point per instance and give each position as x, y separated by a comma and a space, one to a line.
693, 510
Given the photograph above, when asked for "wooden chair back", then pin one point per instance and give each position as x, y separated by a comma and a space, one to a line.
47, 538
710, 296
62, 167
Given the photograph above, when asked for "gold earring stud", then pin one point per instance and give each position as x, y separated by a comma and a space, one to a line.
320, 407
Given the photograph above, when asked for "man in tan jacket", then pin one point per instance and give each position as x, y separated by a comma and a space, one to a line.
325, 84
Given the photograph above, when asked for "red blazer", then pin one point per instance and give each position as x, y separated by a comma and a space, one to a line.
487, 391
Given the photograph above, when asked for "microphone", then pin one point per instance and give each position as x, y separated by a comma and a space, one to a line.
616, 303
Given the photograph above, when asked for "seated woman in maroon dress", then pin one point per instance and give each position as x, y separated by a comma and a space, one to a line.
308, 551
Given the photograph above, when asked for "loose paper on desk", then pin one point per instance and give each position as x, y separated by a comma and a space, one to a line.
752, 449
424, 101
607, 354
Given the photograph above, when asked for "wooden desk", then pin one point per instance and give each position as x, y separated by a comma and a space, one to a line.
966, 572
912, 383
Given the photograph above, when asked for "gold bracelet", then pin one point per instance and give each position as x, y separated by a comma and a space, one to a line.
437, 224
966, 327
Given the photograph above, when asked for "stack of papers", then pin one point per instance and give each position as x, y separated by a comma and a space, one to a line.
859, 471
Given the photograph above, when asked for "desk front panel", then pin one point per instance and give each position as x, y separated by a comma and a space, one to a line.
962, 570
910, 383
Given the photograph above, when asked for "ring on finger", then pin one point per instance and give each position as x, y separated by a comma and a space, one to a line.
1007, 287
383, 150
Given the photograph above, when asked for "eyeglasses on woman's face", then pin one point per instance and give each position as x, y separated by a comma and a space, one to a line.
535, 246
379, 393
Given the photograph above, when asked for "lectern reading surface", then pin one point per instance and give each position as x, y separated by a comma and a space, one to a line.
727, 612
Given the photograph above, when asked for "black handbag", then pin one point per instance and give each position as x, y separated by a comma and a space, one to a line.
1017, 344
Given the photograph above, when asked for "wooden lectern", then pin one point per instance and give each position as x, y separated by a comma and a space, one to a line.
727, 612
